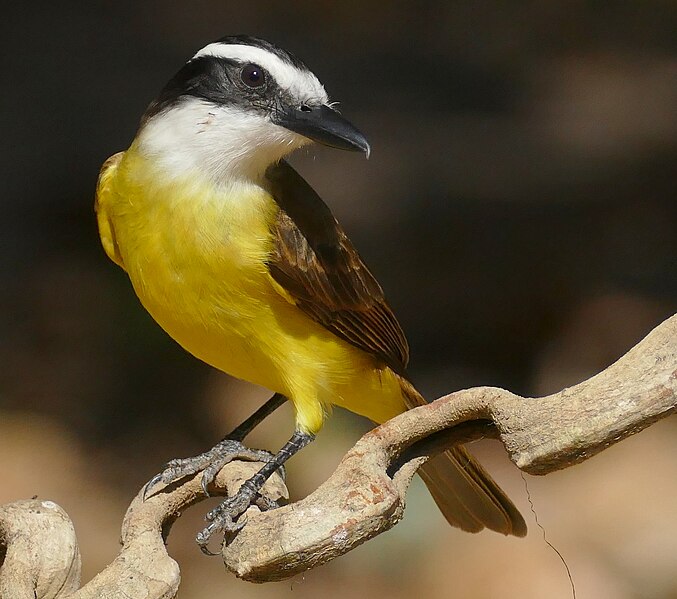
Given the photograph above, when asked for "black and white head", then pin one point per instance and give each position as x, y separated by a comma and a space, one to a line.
239, 105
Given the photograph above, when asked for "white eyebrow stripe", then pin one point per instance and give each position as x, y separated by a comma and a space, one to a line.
303, 85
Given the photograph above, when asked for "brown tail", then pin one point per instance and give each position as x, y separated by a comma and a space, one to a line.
465, 493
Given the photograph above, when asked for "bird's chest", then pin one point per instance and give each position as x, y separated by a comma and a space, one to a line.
196, 255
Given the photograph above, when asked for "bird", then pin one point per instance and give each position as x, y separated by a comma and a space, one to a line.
241, 262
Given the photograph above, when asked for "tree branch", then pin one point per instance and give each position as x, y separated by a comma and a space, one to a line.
41, 557
366, 494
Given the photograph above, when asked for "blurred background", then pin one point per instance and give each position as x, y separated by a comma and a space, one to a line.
519, 209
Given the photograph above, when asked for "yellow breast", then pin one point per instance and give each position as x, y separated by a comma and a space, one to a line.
196, 255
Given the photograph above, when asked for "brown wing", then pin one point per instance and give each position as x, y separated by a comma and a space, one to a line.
314, 261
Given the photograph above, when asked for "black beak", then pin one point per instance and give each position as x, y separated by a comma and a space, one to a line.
323, 125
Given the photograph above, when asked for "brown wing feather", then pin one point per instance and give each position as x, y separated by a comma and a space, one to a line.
314, 261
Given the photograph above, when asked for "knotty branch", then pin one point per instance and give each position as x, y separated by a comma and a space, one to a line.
366, 494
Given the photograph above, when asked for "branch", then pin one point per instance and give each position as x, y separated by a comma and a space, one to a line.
41, 557
366, 494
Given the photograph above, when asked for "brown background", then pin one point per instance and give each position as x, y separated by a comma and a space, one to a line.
519, 209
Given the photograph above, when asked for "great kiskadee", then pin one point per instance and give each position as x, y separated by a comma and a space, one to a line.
238, 259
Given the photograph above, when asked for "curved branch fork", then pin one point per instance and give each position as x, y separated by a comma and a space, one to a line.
366, 494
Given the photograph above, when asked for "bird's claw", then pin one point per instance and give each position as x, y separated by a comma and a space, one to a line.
210, 463
151, 483
229, 517
265, 503
224, 518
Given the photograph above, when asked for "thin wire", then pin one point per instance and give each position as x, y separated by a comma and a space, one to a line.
548, 543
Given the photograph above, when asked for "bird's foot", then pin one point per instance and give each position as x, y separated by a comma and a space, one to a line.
227, 516
210, 463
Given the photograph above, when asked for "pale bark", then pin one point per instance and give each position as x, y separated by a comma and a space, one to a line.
364, 496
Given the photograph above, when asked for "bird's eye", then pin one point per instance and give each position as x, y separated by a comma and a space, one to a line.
253, 75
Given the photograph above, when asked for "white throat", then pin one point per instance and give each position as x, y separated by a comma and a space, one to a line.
222, 143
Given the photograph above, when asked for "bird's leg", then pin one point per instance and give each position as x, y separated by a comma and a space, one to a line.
223, 518
228, 449
257, 417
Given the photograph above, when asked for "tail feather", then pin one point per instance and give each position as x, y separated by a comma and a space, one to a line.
465, 493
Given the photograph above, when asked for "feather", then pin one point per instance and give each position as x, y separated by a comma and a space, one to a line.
314, 262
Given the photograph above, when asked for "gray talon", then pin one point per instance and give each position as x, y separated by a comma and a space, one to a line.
150, 484
209, 463
266, 503
203, 538
229, 516
204, 483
